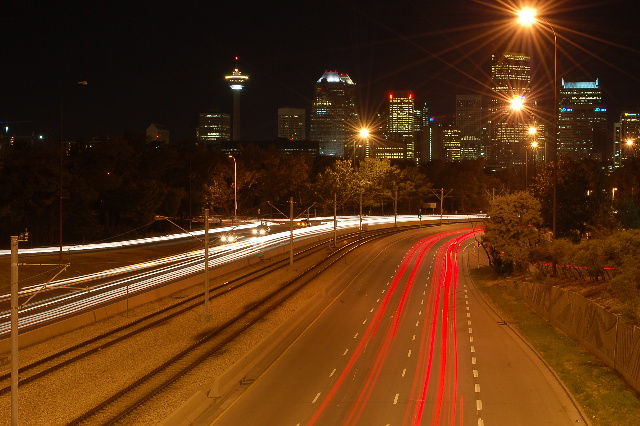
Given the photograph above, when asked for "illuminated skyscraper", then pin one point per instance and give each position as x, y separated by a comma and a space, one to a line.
508, 128
334, 114
291, 124
236, 81
469, 123
402, 121
582, 120
214, 126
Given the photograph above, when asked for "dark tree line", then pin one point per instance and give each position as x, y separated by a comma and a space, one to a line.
121, 187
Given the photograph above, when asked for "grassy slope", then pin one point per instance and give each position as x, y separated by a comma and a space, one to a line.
604, 395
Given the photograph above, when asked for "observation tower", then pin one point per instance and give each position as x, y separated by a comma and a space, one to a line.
236, 81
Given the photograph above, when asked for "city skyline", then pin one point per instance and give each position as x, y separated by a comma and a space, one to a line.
164, 62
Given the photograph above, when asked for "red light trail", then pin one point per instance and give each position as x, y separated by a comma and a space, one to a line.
439, 327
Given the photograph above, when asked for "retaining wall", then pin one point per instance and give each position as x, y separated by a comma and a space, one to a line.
614, 342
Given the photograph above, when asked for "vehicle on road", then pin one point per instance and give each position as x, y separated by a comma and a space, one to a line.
262, 229
229, 237
303, 223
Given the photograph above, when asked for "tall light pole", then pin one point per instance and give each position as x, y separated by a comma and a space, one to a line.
235, 189
82, 83
532, 132
364, 135
527, 17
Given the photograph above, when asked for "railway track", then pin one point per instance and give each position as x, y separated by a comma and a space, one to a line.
89, 347
116, 408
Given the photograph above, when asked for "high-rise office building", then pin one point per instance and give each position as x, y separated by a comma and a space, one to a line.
402, 121
214, 126
508, 127
469, 123
582, 120
423, 140
291, 124
334, 114
158, 134
443, 138
626, 136
236, 82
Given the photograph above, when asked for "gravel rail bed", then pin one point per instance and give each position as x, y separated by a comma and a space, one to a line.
64, 395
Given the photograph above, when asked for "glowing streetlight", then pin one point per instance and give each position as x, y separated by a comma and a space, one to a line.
630, 148
517, 103
527, 17
613, 193
363, 133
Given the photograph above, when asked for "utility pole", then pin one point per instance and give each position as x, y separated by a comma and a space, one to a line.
361, 209
441, 203
335, 219
440, 194
206, 316
14, 325
395, 208
291, 233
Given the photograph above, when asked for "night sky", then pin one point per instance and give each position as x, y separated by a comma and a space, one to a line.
164, 61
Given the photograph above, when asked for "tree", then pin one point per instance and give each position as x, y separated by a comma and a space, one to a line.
337, 179
512, 231
572, 211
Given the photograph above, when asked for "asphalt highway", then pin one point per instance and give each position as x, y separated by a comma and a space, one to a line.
408, 342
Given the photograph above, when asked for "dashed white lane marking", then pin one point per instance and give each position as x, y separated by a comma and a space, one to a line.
417, 322
414, 337
395, 400
364, 322
422, 302
473, 360
475, 373
477, 387
468, 314
378, 300
371, 310
480, 422
470, 330
356, 336
345, 352
404, 371
332, 373
409, 354
383, 291
316, 398
470, 339
479, 405
473, 349
469, 323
